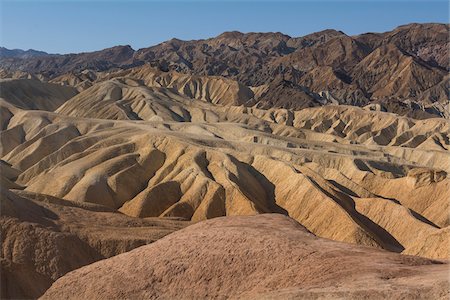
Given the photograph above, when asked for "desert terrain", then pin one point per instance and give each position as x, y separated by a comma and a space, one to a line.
245, 166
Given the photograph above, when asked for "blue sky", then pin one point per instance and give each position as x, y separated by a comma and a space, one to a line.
75, 26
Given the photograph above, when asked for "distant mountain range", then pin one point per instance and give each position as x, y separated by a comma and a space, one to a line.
19, 53
404, 70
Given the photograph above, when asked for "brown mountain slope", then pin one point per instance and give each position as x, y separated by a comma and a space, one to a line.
285, 94
334, 86
341, 68
258, 257
429, 41
388, 72
55, 65
315, 38
341, 53
231, 54
20, 53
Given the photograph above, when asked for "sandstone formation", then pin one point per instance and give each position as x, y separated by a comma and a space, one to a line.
345, 173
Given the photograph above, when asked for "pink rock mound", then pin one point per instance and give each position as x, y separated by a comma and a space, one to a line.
254, 257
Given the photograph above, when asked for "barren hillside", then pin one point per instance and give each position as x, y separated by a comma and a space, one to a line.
307, 167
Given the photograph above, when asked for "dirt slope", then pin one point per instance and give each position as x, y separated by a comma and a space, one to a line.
44, 237
265, 256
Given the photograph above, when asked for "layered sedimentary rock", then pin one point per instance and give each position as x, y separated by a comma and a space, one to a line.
344, 173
